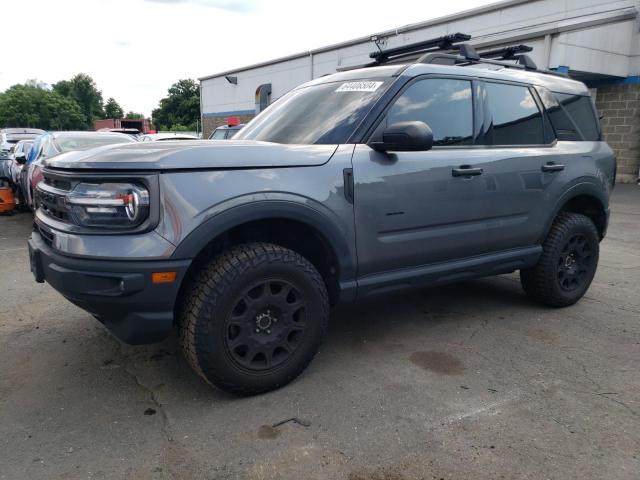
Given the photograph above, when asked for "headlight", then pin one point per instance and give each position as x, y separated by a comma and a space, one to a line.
114, 205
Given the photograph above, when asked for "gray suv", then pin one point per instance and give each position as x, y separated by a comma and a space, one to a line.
353, 185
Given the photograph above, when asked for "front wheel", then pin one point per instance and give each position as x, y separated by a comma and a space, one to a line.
568, 262
254, 318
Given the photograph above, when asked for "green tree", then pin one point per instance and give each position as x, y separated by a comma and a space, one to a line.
84, 91
31, 106
133, 115
112, 109
180, 107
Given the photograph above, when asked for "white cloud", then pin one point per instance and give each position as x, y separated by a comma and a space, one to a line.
135, 49
231, 5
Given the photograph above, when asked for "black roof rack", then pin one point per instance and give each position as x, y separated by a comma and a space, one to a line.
445, 42
450, 50
468, 56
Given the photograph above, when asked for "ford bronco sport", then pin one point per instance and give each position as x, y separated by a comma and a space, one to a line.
454, 166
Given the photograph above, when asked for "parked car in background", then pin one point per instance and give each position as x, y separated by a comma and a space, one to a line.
134, 132
52, 144
225, 132
9, 137
160, 137
18, 156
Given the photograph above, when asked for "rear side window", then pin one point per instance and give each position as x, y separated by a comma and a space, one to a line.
514, 116
580, 110
573, 116
446, 105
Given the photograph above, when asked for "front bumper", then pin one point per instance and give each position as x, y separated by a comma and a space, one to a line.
119, 293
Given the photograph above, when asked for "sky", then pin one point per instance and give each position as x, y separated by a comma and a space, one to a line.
135, 49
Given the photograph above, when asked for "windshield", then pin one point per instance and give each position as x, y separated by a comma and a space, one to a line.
327, 113
218, 134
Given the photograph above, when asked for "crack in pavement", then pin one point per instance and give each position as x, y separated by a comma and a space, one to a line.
153, 395
631, 410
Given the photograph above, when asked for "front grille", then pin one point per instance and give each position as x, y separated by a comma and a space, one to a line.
47, 237
51, 201
57, 183
50, 196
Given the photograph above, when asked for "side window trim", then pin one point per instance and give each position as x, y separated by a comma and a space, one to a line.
383, 114
548, 133
536, 99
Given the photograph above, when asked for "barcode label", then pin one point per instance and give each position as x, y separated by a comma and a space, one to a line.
359, 87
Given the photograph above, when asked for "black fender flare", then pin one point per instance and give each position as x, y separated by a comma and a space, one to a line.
586, 187
328, 229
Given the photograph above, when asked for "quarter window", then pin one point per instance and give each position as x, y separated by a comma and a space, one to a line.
445, 105
514, 116
580, 109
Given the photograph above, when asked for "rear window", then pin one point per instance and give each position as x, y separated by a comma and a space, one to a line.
514, 116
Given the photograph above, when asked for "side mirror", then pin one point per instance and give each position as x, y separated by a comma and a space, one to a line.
411, 136
21, 158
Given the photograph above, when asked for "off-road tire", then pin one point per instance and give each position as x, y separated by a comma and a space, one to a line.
544, 282
211, 303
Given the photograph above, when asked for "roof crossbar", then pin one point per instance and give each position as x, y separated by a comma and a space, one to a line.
523, 62
445, 42
526, 62
506, 53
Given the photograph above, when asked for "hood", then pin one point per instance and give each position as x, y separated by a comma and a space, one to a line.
197, 154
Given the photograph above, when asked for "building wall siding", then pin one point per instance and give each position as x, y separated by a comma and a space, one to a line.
619, 106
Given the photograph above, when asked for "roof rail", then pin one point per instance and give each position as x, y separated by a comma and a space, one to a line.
445, 42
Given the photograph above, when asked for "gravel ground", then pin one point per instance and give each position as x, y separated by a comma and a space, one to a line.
466, 381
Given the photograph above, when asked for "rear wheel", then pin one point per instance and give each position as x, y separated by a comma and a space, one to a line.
568, 262
254, 318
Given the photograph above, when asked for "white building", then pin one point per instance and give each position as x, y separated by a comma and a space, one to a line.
596, 41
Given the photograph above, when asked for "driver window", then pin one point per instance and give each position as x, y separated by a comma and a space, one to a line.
445, 105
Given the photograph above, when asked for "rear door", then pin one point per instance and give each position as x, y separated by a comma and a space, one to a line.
525, 162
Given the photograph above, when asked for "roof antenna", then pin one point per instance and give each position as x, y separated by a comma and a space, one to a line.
378, 41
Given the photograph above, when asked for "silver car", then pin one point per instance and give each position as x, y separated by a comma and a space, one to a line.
9, 137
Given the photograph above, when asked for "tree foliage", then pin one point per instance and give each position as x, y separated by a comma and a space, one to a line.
133, 115
112, 109
84, 91
180, 107
32, 106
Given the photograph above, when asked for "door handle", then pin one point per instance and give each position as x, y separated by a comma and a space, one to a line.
552, 167
466, 171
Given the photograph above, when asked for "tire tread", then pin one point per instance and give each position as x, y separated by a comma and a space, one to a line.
538, 281
209, 287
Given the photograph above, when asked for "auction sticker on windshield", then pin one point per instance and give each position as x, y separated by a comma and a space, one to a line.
359, 87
